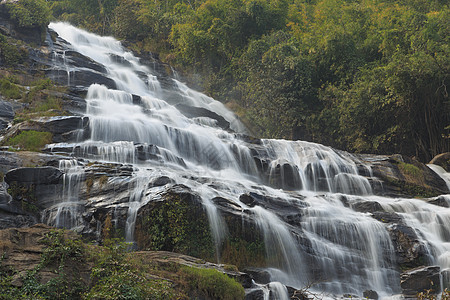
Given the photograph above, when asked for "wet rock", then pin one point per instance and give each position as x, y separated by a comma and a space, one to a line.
255, 294
40, 175
367, 206
161, 181
82, 78
247, 200
409, 250
6, 113
442, 160
286, 176
369, 294
259, 275
387, 217
145, 152
397, 182
420, 280
443, 201
195, 112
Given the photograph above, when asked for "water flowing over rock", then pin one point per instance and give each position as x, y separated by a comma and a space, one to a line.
146, 158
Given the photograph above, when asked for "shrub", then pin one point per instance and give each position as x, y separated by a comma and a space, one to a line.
30, 13
411, 173
9, 89
212, 284
11, 54
30, 140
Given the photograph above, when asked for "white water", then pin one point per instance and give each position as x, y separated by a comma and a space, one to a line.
441, 172
341, 250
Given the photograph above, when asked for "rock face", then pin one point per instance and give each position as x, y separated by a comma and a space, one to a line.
420, 280
22, 249
442, 160
404, 177
6, 114
11, 28
33, 176
196, 112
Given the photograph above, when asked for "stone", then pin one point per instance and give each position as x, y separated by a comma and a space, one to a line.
161, 181
369, 294
247, 200
367, 206
420, 280
409, 250
443, 201
442, 160
40, 175
195, 112
255, 294
259, 275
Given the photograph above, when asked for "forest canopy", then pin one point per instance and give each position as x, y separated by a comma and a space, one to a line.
360, 75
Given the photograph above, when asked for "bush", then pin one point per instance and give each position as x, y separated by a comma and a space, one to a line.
30, 140
11, 54
30, 13
114, 278
9, 89
212, 284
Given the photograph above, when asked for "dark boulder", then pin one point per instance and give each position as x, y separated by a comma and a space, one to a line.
286, 176
83, 78
409, 250
40, 175
247, 200
6, 113
161, 181
367, 206
369, 294
259, 275
443, 201
255, 294
420, 280
195, 112
442, 160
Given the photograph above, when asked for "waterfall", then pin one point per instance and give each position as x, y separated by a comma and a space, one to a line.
305, 193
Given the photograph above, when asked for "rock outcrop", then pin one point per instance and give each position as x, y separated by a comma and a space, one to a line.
421, 280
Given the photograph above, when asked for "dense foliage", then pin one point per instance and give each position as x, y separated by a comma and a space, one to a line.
30, 13
361, 75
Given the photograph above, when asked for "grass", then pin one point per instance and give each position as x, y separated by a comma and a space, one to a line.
30, 140
211, 284
9, 89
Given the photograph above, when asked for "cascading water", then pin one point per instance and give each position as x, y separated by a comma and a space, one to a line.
339, 248
65, 213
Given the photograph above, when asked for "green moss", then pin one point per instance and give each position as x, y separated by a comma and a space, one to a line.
177, 224
243, 253
129, 285
411, 172
30, 140
211, 284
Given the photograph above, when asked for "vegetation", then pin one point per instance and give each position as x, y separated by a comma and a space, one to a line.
177, 224
11, 53
82, 271
30, 140
30, 13
365, 76
212, 284
9, 88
